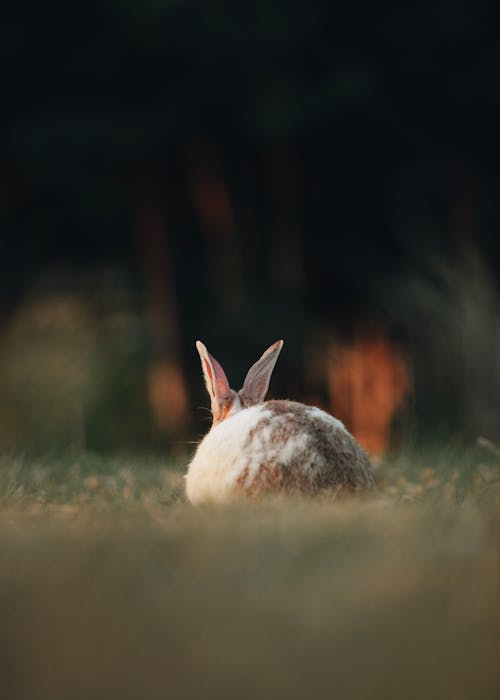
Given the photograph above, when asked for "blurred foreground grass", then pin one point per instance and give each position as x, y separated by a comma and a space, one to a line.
111, 586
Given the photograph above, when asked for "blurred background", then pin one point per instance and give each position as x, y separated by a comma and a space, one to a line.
324, 173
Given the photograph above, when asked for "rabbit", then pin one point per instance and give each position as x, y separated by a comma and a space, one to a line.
256, 447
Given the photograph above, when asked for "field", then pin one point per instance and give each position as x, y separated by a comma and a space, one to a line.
112, 586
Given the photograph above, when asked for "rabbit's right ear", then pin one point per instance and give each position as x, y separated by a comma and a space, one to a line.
259, 375
215, 380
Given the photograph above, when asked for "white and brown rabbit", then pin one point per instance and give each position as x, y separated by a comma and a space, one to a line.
256, 447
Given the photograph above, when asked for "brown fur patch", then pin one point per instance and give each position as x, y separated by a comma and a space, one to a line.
245, 401
258, 427
242, 479
329, 459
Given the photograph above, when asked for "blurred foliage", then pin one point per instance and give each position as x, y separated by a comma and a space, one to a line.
309, 166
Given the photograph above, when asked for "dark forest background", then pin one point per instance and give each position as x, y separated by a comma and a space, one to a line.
327, 173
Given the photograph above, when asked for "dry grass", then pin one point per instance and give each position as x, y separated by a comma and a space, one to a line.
111, 586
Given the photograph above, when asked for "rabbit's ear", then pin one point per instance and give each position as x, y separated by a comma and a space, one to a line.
215, 380
258, 377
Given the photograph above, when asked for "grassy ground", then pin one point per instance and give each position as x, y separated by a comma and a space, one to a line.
111, 586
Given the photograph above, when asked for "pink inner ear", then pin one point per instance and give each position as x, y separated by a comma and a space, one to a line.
223, 388
208, 370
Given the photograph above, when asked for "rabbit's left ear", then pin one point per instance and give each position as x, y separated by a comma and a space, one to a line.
259, 375
215, 381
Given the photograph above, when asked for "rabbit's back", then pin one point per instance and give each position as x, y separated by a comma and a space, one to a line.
277, 446
306, 450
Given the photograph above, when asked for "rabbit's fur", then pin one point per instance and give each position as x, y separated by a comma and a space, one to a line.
256, 446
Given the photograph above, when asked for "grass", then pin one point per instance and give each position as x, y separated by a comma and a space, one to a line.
112, 586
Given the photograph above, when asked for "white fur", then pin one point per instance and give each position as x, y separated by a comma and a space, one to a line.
218, 462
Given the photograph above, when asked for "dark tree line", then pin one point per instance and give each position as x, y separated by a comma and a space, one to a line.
188, 169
